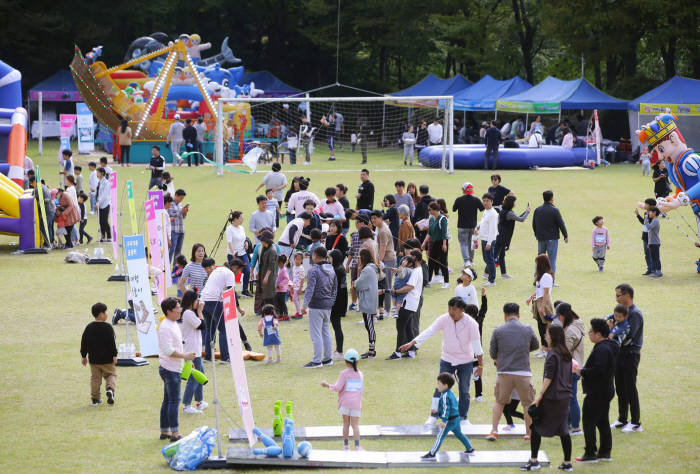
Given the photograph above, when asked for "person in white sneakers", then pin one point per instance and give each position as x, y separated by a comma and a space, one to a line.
460, 342
488, 231
175, 139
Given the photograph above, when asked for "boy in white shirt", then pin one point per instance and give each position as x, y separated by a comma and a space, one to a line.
488, 230
93, 180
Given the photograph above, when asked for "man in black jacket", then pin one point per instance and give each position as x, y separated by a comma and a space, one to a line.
547, 223
189, 134
597, 376
466, 206
422, 210
492, 138
365, 193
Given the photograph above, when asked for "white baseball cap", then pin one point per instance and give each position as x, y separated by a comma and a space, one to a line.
468, 271
177, 116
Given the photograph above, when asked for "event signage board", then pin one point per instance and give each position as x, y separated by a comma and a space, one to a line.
678, 109
530, 107
67, 122
161, 219
154, 235
240, 381
86, 128
113, 211
140, 294
132, 208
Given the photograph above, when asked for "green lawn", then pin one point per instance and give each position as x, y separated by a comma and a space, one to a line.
48, 425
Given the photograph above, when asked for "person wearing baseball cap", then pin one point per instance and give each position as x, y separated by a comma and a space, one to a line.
466, 207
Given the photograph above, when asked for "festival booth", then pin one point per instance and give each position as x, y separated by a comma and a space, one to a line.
483, 94
269, 83
679, 95
432, 85
59, 87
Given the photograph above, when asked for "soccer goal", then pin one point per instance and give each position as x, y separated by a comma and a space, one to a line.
313, 129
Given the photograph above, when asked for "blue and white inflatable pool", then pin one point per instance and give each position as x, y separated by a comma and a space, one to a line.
472, 157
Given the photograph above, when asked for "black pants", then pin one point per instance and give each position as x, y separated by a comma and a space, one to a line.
542, 329
197, 158
488, 152
105, 231
595, 416
626, 386
280, 303
536, 440
654, 256
403, 327
415, 320
510, 411
369, 326
125, 152
500, 256
83, 223
338, 330
69, 236
478, 387
438, 261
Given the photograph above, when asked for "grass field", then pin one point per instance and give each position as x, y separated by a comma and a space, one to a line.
49, 427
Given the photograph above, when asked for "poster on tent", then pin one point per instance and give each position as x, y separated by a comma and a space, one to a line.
67, 122
155, 248
86, 128
140, 294
162, 218
114, 212
240, 381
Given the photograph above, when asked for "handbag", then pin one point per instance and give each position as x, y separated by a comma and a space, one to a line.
543, 309
336, 240
535, 412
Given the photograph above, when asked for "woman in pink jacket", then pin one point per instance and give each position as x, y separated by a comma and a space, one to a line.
68, 209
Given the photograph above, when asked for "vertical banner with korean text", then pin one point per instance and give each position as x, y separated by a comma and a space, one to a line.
140, 294
86, 128
132, 208
154, 248
161, 216
240, 381
114, 212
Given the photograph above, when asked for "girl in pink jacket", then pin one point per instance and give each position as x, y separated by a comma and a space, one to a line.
349, 386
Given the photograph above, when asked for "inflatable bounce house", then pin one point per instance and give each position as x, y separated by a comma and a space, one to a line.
159, 79
18, 210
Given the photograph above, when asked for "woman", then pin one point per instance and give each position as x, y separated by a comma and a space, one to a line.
506, 226
267, 275
574, 335
336, 240
341, 301
406, 230
168, 184
568, 140
553, 402
542, 308
238, 247
293, 188
367, 297
536, 125
69, 210
421, 137
412, 190
124, 133
194, 273
436, 244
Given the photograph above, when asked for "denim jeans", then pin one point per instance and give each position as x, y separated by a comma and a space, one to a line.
574, 409
176, 240
464, 375
213, 313
488, 260
193, 387
389, 265
171, 400
549, 247
465, 244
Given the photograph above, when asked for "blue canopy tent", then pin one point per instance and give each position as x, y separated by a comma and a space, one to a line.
484, 93
680, 95
432, 85
269, 83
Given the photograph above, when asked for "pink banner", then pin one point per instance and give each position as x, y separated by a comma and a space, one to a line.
67, 124
155, 248
114, 212
240, 380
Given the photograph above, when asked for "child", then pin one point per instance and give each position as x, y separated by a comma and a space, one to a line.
478, 314
83, 218
282, 288
316, 237
78, 179
653, 226
510, 411
180, 264
449, 414
645, 159
648, 204
60, 228
401, 276
107, 168
600, 241
349, 386
298, 277
409, 139
353, 142
267, 328
93, 180
619, 325
168, 184
465, 290
98, 344
273, 206
192, 326
292, 144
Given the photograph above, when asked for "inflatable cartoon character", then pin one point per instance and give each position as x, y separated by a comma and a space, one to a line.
683, 163
195, 47
92, 56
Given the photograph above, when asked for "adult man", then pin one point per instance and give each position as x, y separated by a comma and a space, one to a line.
547, 223
261, 219
403, 198
156, 165
492, 138
201, 128
189, 135
329, 125
498, 191
460, 341
276, 181
306, 136
511, 344
299, 198
175, 139
597, 377
177, 215
435, 132
102, 201
488, 231
339, 129
385, 251
365, 193
628, 363
290, 235
466, 206
319, 297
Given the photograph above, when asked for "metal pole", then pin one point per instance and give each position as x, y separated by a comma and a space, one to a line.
216, 394
383, 121
308, 109
41, 123
527, 119
219, 142
452, 137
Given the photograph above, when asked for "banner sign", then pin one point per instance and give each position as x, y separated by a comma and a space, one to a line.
140, 294
113, 211
529, 107
154, 236
67, 122
678, 109
162, 219
240, 380
132, 209
86, 129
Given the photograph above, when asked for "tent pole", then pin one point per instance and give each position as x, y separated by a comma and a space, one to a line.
41, 123
495, 114
383, 122
559, 119
527, 120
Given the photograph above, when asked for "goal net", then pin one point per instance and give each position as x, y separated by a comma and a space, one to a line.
382, 129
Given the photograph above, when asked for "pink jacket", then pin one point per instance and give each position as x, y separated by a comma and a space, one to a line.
282, 280
603, 237
460, 340
349, 386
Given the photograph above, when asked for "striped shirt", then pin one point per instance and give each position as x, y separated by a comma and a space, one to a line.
194, 274
178, 225
354, 253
